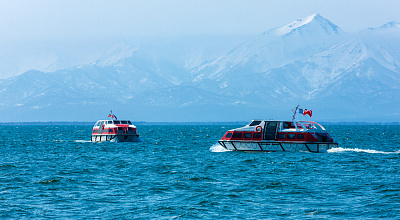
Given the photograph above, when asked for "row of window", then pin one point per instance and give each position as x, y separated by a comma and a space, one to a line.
104, 131
290, 136
245, 135
111, 130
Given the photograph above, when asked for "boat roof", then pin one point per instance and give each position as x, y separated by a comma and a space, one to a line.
114, 122
285, 126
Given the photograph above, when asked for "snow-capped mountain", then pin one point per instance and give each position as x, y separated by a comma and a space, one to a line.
311, 62
274, 48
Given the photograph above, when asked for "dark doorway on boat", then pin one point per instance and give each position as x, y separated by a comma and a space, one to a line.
270, 130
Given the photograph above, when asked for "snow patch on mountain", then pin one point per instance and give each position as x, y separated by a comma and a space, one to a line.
313, 21
296, 24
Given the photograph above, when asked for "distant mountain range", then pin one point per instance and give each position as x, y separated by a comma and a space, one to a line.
311, 62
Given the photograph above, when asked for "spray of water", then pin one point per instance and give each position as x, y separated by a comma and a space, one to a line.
339, 149
217, 148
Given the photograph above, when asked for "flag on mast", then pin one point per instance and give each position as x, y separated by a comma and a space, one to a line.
112, 115
305, 112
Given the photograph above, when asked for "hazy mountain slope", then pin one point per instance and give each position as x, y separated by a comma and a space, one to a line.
310, 62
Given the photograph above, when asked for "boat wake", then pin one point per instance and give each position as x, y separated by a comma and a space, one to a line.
339, 149
82, 141
217, 148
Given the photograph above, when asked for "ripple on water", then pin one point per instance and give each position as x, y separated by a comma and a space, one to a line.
178, 171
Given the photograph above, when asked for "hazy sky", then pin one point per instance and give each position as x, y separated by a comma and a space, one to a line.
99, 19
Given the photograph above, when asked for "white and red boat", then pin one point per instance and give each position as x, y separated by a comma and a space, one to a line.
114, 130
275, 135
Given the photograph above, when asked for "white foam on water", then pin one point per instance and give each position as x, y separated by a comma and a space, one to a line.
339, 149
82, 141
217, 148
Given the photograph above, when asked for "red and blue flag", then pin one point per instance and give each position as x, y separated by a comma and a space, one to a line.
112, 116
305, 112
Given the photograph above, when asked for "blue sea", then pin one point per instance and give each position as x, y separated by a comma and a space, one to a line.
179, 171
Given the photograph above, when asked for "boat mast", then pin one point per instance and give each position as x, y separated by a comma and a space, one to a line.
294, 114
294, 118
111, 115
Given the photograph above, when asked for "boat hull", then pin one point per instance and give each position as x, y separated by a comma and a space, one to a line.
115, 138
271, 146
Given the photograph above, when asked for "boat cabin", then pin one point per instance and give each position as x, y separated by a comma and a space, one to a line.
114, 127
272, 130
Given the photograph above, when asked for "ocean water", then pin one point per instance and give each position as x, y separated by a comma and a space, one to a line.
179, 171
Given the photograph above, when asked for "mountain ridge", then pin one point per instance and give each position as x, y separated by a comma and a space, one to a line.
314, 64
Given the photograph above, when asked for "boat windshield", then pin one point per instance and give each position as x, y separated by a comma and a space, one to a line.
129, 122
254, 123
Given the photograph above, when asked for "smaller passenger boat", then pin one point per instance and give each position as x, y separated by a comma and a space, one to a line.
114, 130
277, 135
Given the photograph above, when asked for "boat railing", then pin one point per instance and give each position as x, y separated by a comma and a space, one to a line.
303, 126
314, 125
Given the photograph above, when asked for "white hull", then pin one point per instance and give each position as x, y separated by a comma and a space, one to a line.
269, 146
115, 138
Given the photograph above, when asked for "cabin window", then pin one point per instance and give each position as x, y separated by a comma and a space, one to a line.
300, 136
291, 136
281, 136
129, 122
247, 135
254, 123
237, 135
321, 137
228, 135
285, 124
257, 135
109, 122
124, 122
117, 122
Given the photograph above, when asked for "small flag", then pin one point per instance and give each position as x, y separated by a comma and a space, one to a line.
113, 116
307, 112
301, 110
